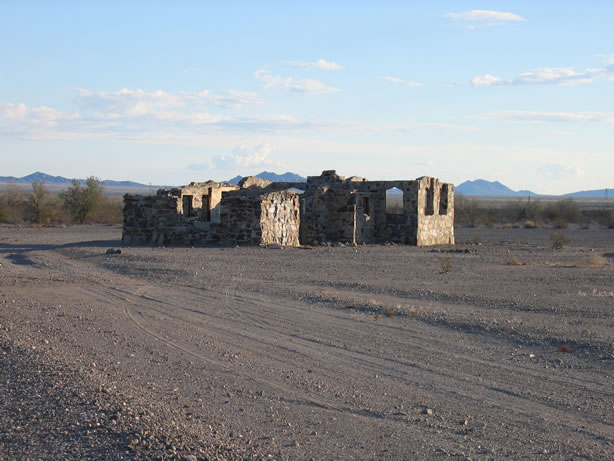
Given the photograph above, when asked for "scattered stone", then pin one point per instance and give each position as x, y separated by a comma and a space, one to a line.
427, 411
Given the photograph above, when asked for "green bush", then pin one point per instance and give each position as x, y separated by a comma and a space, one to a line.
81, 201
39, 204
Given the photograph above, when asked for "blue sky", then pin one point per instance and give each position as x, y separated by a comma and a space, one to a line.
168, 93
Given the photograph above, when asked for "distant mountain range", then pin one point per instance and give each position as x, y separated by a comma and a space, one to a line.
479, 187
490, 188
273, 177
48, 179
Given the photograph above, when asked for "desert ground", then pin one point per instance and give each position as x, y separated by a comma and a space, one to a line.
498, 347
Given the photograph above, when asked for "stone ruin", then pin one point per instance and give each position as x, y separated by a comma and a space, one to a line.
325, 209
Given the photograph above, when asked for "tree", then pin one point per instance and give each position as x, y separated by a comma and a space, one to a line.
81, 200
38, 203
12, 203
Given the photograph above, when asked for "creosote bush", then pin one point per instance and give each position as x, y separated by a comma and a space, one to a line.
79, 203
558, 240
445, 264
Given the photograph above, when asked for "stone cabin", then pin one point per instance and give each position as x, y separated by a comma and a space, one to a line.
325, 209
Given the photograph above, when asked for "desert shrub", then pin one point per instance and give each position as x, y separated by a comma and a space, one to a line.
530, 225
608, 219
445, 264
108, 211
522, 211
2, 214
558, 240
12, 203
596, 260
467, 211
39, 204
563, 212
80, 201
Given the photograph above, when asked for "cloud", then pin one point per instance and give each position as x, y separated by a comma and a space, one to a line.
531, 116
399, 81
474, 19
485, 15
306, 86
231, 99
548, 76
138, 103
321, 64
486, 80
242, 156
557, 171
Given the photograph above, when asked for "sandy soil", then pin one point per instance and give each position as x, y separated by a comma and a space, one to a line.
324, 353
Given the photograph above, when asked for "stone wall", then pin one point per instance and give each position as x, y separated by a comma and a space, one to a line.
254, 217
435, 212
280, 219
178, 216
329, 209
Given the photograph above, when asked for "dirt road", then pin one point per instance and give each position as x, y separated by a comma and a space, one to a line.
324, 353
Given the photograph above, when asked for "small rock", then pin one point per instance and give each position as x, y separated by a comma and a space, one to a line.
531, 356
190, 458
427, 411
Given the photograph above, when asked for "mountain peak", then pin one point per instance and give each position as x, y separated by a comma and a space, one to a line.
492, 188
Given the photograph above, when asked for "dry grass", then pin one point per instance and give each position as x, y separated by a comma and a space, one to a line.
530, 225
565, 348
596, 260
597, 293
391, 314
377, 316
515, 262
414, 313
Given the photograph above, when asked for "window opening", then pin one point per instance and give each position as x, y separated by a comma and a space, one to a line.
429, 207
365, 206
206, 210
394, 201
188, 209
443, 200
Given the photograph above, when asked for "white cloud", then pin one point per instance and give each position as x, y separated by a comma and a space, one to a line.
231, 99
399, 81
140, 103
486, 80
532, 116
548, 76
321, 64
558, 171
306, 86
242, 156
485, 15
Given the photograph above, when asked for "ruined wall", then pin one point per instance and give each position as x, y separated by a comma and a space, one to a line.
254, 217
435, 212
280, 219
178, 216
331, 209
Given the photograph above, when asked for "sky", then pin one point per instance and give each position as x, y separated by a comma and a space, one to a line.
172, 92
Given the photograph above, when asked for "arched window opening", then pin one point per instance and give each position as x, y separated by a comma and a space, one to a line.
394, 201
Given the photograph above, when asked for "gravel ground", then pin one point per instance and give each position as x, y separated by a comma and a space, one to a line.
498, 347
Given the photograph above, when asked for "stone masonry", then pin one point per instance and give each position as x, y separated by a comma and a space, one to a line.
325, 209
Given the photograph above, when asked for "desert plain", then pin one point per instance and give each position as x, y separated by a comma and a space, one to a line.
498, 347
